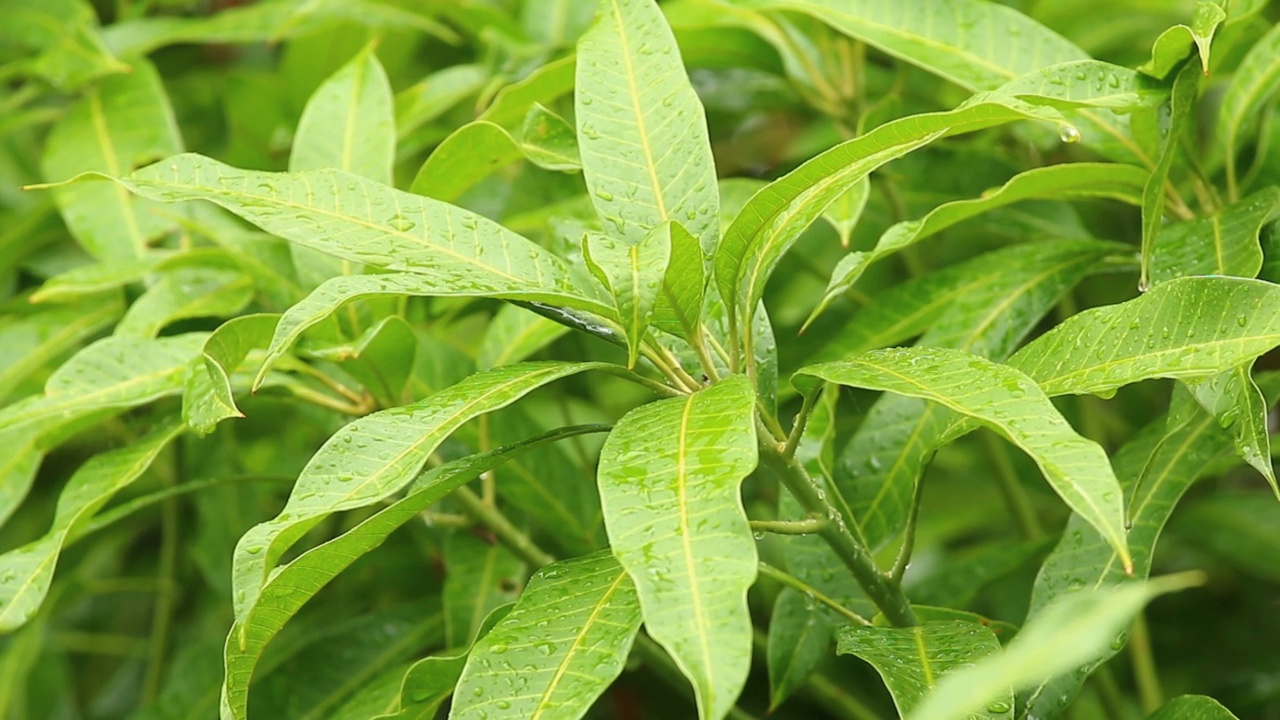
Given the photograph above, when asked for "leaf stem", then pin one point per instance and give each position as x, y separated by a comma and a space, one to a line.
799, 585
808, 526
1145, 675
802, 419
674, 373
315, 397
507, 533
883, 591
908, 535
700, 347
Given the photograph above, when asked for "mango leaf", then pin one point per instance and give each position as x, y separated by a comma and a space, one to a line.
123, 121
684, 287
348, 124
1225, 243
544, 85
1178, 41
186, 293
335, 292
1186, 329
26, 572
548, 141
92, 280
1192, 707
1252, 85
957, 582
1208, 522
513, 335
1058, 182
912, 661
569, 635
380, 359
292, 585
432, 97
641, 129
209, 397
799, 639
65, 37
1009, 403
1181, 102
480, 576
845, 211
34, 341
1012, 290
1072, 631
467, 156
1155, 469
633, 274
669, 481
1237, 404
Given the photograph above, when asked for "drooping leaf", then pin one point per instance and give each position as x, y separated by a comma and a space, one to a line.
1179, 41
641, 128
563, 643
1059, 182
633, 274
1192, 707
912, 661
669, 481
1009, 403
288, 589
1236, 402
122, 122
1181, 101
1073, 631
1252, 84
209, 396
186, 293
1186, 329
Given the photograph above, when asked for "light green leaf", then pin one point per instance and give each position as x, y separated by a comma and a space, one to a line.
375, 456
209, 396
1057, 182
641, 128
34, 341
633, 274
1237, 404
292, 585
186, 293
569, 635
380, 359
1225, 243
912, 661
1073, 631
1252, 85
669, 481
1178, 41
120, 123
348, 124
544, 85
92, 279
1009, 403
1181, 102
1192, 707
435, 95
335, 292
463, 159
684, 287
65, 39
845, 211
480, 576
548, 141
26, 572
1186, 329
513, 335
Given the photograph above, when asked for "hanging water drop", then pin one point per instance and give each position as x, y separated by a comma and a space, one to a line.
1069, 134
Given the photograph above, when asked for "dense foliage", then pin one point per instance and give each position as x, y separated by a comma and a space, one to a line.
546, 359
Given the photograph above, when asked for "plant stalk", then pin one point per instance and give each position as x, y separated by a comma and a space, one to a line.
1150, 695
797, 584
808, 526
502, 528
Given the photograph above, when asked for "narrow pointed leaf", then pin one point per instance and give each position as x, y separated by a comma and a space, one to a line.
121, 122
1056, 182
1071, 632
548, 141
513, 335
375, 456
480, 576
1253, 83
28, 570
641, 128
1187, 328
34, 341
1225, 243
569, 635
912, 661
1236, 402
845, 211
289, 588
183, 294
336, 292
633, 274
1009, 403
1181, 101
1179, 41
799, 639
1192, 707
669, 484
209, 396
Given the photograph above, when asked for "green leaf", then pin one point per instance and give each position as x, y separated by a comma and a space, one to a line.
684, 287
348, 124
1179, 41
1008, 402
1240, 528
1186, 329
433, 96
480, 576
569, 635
1237, 404
186, 293
912, 661
66, 38
1057, 182
799, 639
548, 141
1225, 243
1192, 707
381, 359
292, 585
209, 396
544, 85
641, 129
335, 292
120, 123
1181, 102
669, 481
1074, 630
25, 573
92, 280
633, 274
30, 343
463, 159
957, 582
845, 211
513, 335
1252, 85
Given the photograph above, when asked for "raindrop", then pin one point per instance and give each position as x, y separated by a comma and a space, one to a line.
401, 223
759, 534
1069, 134
1242, 320
498, 648
998, 707
604, 195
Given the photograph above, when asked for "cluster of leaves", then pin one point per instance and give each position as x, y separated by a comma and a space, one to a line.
547, 359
